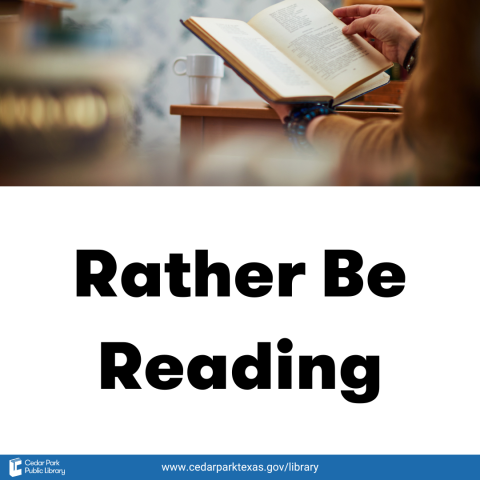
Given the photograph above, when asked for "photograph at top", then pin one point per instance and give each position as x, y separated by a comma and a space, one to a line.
234, 93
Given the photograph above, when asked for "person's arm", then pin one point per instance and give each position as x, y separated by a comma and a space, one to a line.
392, 35
372, 152
376, 151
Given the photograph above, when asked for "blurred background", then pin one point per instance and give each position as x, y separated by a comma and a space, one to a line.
86, 90
151, 30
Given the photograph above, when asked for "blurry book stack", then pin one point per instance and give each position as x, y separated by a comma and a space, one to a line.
59, 106
63, 96
14, 14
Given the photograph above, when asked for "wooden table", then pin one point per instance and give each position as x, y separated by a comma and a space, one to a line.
205, 127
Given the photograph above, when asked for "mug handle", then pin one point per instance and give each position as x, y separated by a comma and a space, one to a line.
181, 59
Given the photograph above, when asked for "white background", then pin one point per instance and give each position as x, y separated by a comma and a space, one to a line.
427, 338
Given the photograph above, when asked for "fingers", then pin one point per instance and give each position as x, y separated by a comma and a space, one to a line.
355, 11
347, 20
360, 26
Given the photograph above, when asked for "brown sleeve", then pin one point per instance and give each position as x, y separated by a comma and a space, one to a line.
372, 152
442, 120
437, 141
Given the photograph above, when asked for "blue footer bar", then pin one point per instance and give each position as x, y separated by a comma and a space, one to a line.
337, 467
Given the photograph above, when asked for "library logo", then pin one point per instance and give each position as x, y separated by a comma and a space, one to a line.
14, 471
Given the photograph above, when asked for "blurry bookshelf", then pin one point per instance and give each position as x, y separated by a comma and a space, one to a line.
65, 103
36, 11
16, 13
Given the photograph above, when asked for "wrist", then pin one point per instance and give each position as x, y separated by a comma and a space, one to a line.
297, 124
411, 57
283, 111
405, 44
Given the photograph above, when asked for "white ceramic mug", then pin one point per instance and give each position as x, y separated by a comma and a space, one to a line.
205, 74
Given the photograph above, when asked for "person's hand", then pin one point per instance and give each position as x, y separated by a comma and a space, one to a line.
282, 109
392, 34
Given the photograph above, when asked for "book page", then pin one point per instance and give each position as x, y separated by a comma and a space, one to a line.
375, 82
311, 36
262, 58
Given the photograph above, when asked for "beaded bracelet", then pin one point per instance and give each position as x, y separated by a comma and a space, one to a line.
297, 122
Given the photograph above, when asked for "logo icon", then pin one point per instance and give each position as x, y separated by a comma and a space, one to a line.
14, 471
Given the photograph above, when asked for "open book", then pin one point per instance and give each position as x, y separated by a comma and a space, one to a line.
295, 51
